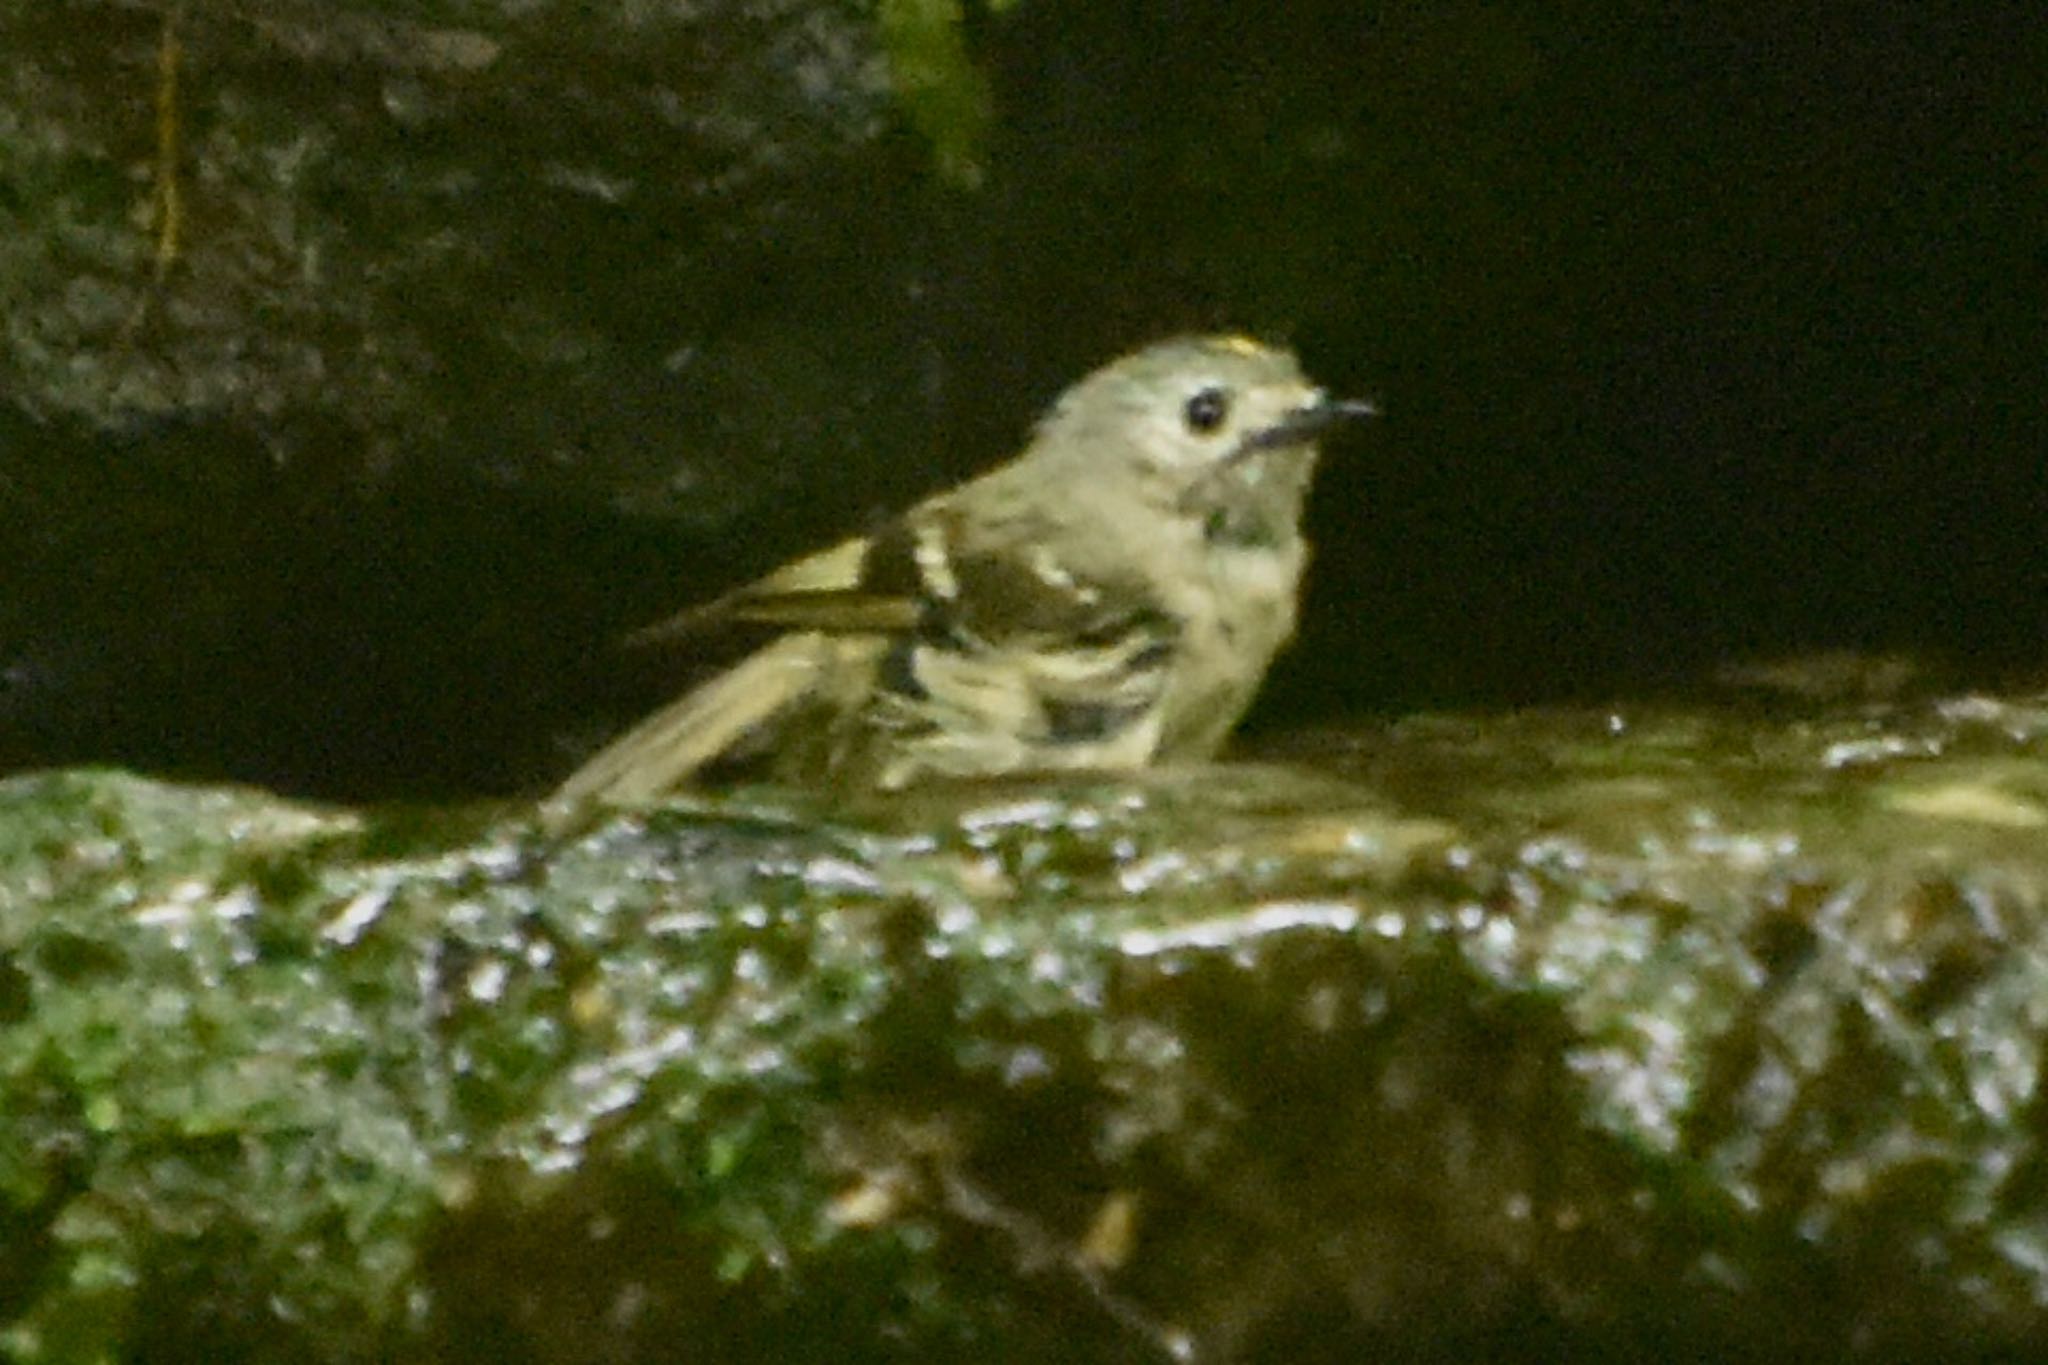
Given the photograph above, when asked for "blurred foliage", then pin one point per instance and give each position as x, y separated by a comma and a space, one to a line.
943, 92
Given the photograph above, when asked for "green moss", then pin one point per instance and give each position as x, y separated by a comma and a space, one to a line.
1674, 1026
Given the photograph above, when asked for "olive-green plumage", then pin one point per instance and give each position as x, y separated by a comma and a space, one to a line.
1109, 598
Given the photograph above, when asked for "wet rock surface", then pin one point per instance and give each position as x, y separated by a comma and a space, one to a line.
1671, 1029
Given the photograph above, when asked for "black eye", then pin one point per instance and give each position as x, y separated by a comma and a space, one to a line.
1206, 410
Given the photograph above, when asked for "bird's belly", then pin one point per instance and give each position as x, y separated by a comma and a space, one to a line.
1226, 651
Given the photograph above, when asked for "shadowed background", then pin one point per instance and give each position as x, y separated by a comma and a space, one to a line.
466, 338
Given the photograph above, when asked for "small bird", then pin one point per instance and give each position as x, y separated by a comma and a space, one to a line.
1108, 599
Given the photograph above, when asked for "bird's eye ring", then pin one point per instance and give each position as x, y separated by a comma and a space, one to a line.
1206, 410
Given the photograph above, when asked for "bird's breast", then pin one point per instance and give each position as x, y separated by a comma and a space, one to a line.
1233, 625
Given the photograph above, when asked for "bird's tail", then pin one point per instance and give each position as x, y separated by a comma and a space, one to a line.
673, 745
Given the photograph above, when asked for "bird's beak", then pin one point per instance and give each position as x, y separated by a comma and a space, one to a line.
1307, 422
1335, 410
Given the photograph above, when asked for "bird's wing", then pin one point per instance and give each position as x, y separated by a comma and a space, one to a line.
827, 591
1017, 659
964, 637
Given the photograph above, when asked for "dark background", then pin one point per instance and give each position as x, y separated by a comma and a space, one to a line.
1704, 335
